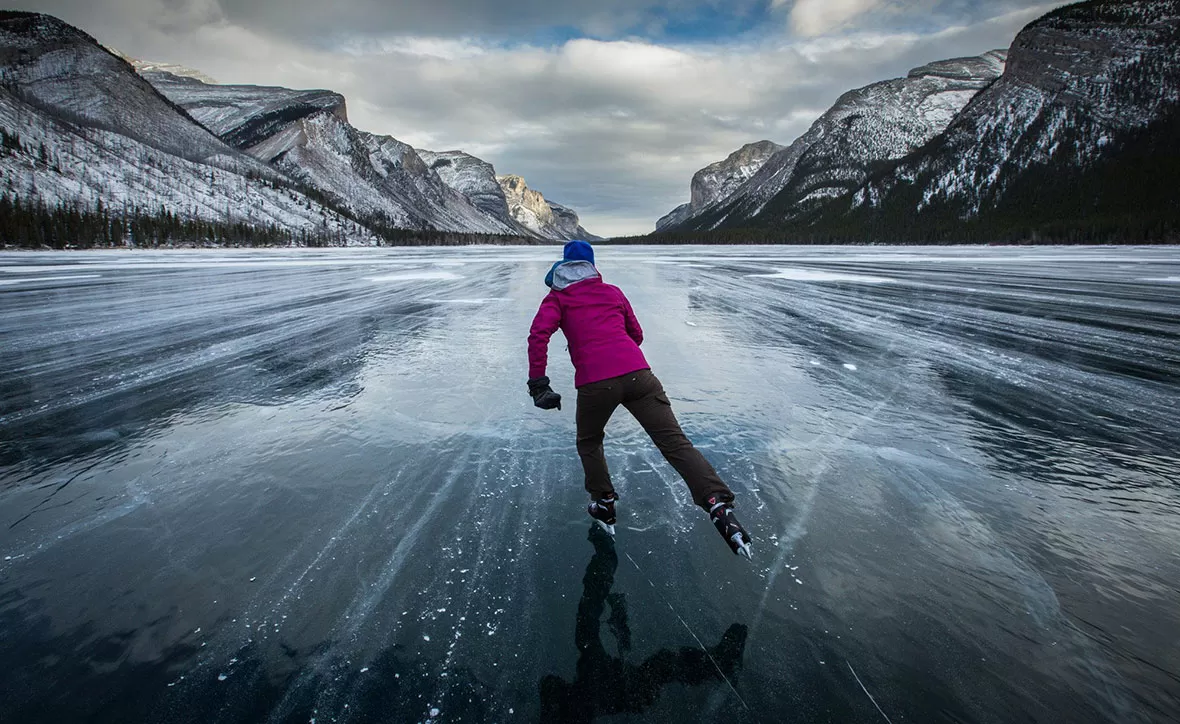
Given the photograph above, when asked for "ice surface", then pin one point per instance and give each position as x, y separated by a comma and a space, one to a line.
337, 495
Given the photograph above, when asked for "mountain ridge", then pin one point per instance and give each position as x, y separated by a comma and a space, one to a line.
1076, 141
879, 122
530, 209
89, 131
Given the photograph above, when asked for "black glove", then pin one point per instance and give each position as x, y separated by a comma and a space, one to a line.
543, 395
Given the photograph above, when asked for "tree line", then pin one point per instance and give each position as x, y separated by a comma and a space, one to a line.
38, 225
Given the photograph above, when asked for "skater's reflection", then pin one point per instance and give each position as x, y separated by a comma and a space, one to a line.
608, 684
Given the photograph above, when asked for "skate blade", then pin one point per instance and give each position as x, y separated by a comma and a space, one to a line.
610, 529
742, 549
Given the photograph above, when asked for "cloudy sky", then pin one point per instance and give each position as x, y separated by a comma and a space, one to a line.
607, 106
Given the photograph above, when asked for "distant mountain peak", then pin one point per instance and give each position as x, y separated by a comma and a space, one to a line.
530, 209
180, 71
880, 122
718, 180
966, 68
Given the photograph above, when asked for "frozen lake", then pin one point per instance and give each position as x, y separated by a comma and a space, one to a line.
282, 486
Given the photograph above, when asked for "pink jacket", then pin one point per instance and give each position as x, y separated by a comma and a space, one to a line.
600, 326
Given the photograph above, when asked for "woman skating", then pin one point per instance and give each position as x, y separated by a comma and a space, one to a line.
610, 370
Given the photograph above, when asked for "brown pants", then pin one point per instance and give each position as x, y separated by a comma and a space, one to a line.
643, 396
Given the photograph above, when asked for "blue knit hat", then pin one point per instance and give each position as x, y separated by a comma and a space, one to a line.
578, 251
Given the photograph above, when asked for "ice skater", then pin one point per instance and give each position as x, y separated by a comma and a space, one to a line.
610, 370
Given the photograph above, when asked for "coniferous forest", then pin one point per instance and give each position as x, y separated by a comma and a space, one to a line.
38, 226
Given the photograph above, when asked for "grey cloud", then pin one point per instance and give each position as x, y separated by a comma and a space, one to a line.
319, 22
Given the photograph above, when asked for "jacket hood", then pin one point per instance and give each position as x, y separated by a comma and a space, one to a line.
567, 273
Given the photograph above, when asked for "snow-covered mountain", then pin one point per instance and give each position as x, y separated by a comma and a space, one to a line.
545, 218
66, 74
880, 122
307, 136
1077, 140
1083, 128
86, 128
717, 181
83, 128
474, 178
145, 66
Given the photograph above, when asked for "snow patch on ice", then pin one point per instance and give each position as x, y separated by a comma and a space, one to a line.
815, 275
464, 301
40, 280
416, 276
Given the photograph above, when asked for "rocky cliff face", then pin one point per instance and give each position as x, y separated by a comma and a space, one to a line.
866, 127
718, 181
83, 129
242, 116
474, 178
569, 225
877, 124
306, 135
1078, 140
66, 74
143, 67
547, 219
1090, 94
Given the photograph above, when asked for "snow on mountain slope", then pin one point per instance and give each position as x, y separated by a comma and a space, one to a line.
165, 140
567, 221
477, 180
1079, 80
88, 129
143, 67
68, 75
474, 178
545, 218
241, 115
880, 122
306, 135
83, 166
718, 181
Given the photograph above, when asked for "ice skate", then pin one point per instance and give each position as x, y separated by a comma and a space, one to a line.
726, 523
603, 512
